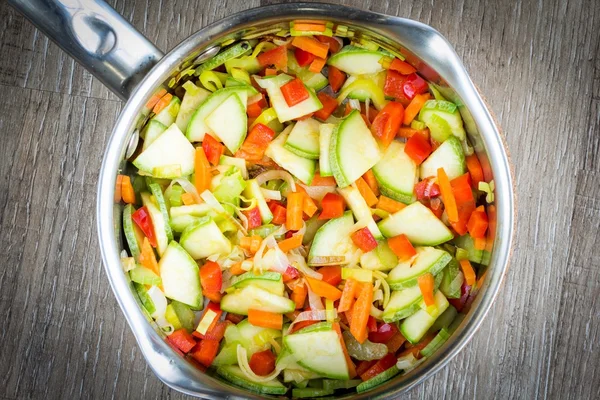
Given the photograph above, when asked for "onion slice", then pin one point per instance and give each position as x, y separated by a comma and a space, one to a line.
271, 194
313, 315
276, 174
242, 359
315, 301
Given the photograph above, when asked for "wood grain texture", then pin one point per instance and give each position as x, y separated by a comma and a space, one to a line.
537, 63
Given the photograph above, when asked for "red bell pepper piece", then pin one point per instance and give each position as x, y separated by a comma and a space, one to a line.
262, 363
418, 148
253, 215
336, 78
371, 324
402, 247
213, 149
142, 219
218, 331
329, 106
395, 342
478, 223
427, 189
277, 57
254, 110
182, 339
214, 307
279, 213
294, 92
211, 276
253, 148
461, 187
290, 274
205, 351
332, 274
464, 213
334, 45
383, 334
387, 122
414, 85
333, 206
402, 66
303, 57
394, 87
387, 362
364, 239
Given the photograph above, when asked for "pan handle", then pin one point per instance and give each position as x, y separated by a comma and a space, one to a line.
98, 37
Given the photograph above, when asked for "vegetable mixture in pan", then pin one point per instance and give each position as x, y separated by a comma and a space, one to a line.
306, 213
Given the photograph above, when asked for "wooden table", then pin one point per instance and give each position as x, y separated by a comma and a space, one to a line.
538, 63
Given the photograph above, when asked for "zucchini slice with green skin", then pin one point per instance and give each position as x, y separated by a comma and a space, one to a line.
151, 131
360, 209
428, 260
303, 140
325, 131
403, 303
418, 223
180, 276
452, 280
302, 168
382, 258
353, 150
253, 191
237, 50
332, 242
204, 238
229, 121
318, 349
284, 112
171, 148
234, 374
168, 114
158, 222
357, 61
133, 234
314, 80
193, 97
254, 297
416, 326
378, 379
443, 120
450, 156
397, 174
162, 206
269, 281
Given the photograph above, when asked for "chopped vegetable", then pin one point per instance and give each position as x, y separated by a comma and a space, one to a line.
253, 148
390, 205
426, 285
364, 239
447, 195
402, 66
202, 172
475, 170
360, 313
478, 223
141, 217
333, 206
304, 58
277, 57
468, 271
127, 192
293, 217
388, 121
182, 339
336, 78
332, 274
294, 92
265, 319
402, 247
263, 362
311, 45
418, 148
324, 289
412, 110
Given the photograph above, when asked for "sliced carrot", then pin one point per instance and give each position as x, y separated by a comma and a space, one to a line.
236, 269
295, 203
324, 289
412, 110
407, 132
203, 175
336, 78
402, 66
265, 319
402, 247
127, 191
426, 285
360, 313
270, 72
317, 65
162, 103
298, 296
312, 45
155, 98
467, 269
369, 177
474, 167
213, 296
309, 27
187, 199
251, 243
290, 243
480, 243
366, 192
319, 180
348, 294
309, 206
447, 195
349, 363
148, 258
389, 205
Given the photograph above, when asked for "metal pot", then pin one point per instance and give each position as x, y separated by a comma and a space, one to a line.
131, 66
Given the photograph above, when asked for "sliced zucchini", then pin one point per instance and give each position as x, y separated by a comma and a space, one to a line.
357, 61
382, 258
416, 326
162, 206
253, 297
325, 131
418, 223
269, 281
234, 374
428, 260
234, 51
253, 191
180, 276
361, 210
449, 156
151, 131
443, 120
168, 114
332, 243
397, 174
158, 222
203, 238
303, 140
353, 150
314, 80
302, 168
229, 121
378, 379
402, 304
133, 233
284, 112
194, 96
452, 280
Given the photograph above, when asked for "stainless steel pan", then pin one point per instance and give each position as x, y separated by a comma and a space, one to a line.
132, 67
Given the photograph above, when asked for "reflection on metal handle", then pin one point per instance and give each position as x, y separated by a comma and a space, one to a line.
96, 36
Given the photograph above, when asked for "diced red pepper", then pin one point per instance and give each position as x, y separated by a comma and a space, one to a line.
277, 57
334, 45
371, 324
254, 110
402, 247
384, 333
206, 351
256, 143
253, 216
478, 223
303, 57
142, 219
329, 106
387, 362
214, 307
464, 213
414, 85
333, 206
461, 187
218, 331
213, 149
418, 148
290, 274
279, 213
294, 92
364, 239
394, 87
332, 274
387, 122
211, 276
336, 78
402, 66
262, 363
427, 189
182, 339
